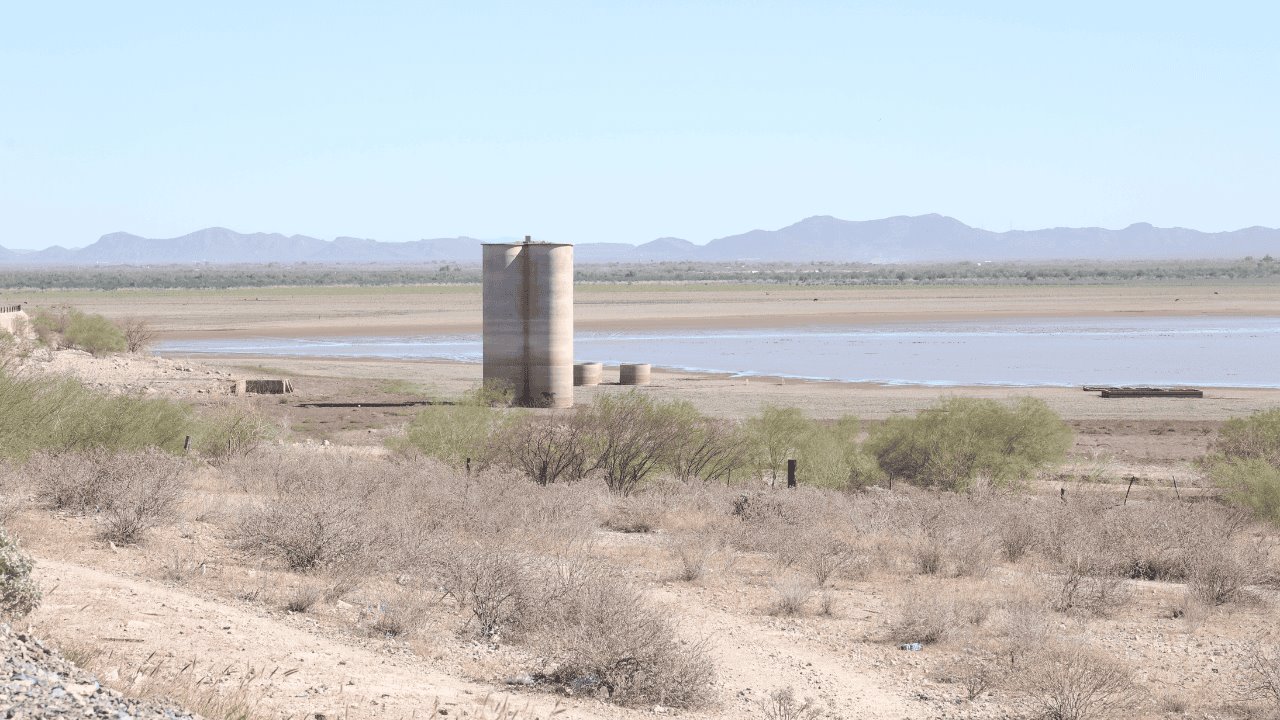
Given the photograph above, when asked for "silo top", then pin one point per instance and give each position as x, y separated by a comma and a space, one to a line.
535, 243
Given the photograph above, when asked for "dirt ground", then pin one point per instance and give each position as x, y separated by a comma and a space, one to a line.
181, 597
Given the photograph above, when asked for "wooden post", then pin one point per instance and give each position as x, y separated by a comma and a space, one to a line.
791, 473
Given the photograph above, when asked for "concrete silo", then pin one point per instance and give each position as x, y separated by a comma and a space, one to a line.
528, 321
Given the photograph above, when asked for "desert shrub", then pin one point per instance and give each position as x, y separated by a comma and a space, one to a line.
138, 334
396, 617
791, 592
68, 327
1252, 483
1221, 572
693, 553
495, 581
19, 594
60, 414
452, 433
234, 431
1015, 531
783, 705
1261, 679
827, 455
947, 535
1089, 582
639, 513
490, 393
707, 449
951, 443
312, 511
129, 492
301, 597
631, 437
826, 556
1070, 682
776, 434
600, 631
1256, 437
926, 618
546, 448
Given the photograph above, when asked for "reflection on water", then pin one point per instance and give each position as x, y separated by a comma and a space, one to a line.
1233, 352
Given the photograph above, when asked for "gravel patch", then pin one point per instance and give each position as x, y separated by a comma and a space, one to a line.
36, 682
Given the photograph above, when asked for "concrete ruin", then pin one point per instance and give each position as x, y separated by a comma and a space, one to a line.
528, 321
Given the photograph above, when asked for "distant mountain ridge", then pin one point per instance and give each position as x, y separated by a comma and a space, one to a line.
903, 239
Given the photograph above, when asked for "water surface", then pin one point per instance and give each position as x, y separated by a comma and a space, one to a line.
1202, 351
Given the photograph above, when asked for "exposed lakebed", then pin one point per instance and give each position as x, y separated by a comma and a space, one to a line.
1204, 351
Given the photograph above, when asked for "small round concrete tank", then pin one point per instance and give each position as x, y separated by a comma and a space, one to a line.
633, 374
528, 321
586, 374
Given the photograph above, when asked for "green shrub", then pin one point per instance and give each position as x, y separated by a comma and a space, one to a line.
827, 455
707, 449
233, 432
775, 436
1251, 483
19, 594
630, 437
452, 433
951, 443
71, 328
60, 414
1255, 437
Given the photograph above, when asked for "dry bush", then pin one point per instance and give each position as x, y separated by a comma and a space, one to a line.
694, 553
315, 511
19, 594
397, 617
139, 334
1070, 682
948, 536
1261, 681
637, 513
599, 631
978, 670
234, 432
1221, 573
921, 618
546, 448
791, 593
301, 597
495, 581
1089, 585
1016, 530
930, 617
783, 705
129, 492
826, 556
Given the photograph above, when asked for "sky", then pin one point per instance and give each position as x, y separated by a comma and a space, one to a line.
628, 121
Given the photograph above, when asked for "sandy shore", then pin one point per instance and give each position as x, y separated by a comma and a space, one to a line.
425, 310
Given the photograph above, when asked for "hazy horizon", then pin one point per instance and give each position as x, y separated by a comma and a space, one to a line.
582, 122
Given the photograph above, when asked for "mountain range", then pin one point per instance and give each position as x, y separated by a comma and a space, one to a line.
923, 238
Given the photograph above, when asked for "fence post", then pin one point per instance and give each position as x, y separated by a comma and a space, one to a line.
791, 473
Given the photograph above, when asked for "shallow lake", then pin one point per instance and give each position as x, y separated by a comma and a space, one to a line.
1204, 351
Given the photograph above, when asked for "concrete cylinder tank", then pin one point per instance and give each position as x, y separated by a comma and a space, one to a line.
528, 321
585, 374
634, 374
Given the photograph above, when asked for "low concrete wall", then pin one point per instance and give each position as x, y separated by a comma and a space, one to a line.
8, 315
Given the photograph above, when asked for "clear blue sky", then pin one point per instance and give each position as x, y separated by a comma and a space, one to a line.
626, 121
